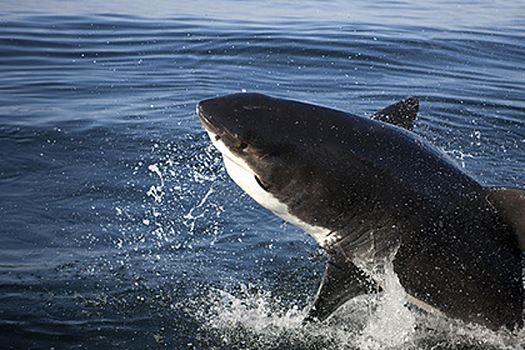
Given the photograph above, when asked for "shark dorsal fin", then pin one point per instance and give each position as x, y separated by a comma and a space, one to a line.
342, 281
510, 203
402, 113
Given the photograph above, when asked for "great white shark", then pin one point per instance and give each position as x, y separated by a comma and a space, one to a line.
367, 189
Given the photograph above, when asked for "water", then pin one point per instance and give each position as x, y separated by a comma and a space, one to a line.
119, 225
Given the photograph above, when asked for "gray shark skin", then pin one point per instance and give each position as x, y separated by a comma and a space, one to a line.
367, 189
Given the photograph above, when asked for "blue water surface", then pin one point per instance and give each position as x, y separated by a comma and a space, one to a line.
119, 225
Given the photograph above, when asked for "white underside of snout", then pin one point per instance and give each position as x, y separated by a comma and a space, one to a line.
244, 176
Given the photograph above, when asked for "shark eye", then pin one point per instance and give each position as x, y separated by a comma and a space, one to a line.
243, 145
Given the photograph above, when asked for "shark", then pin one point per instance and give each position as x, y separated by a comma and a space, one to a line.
369, 188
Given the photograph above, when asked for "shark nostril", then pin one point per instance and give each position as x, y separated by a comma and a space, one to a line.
217, 137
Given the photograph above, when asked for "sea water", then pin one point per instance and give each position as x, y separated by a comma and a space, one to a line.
119, 226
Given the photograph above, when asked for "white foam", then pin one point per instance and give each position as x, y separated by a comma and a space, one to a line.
253, 312
257, 319
392, 324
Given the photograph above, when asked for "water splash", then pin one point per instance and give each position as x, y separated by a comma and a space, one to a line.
155, 191
392, 324
253, 319
191, 216
460, 157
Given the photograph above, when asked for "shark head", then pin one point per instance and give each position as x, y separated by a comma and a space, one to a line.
266, 144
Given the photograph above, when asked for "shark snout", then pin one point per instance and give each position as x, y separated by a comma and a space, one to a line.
201, 109
205, 114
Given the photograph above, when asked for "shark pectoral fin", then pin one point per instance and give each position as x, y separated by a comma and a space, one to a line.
402, 114
510, 203
341, 282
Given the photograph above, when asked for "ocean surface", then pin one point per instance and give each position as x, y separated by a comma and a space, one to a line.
119, 227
